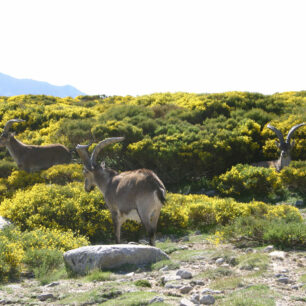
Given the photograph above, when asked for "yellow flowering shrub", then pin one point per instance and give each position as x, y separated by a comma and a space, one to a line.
59, 207
15, 244
183, 212
69, 207
249, 181
21, 179
11, 255
63, 174
294, 176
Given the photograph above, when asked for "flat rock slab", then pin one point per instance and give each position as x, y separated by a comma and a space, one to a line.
87, 258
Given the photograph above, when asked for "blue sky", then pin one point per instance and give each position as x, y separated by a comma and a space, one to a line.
135, 47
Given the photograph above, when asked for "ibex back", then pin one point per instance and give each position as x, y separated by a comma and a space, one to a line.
137, 195
31, 157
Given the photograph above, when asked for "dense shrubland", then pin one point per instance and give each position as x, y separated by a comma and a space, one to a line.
194, 142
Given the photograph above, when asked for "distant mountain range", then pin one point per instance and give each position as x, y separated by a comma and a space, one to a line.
10, 86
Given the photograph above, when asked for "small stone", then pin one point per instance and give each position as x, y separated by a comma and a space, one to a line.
207, 299
185, 238
195, 298
249, 250
184, 247
165, 268
185, 289
256, 269
284, 271
225, 265
278, 255
173, 285
268, 249
184, 274
130, 274
283, 280
197, 283
53, 284
45, 296
207, 291
220, 261
157, 299
185, 302
168, 278
299, 203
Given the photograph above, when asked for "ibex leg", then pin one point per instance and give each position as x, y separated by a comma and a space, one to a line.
117, 225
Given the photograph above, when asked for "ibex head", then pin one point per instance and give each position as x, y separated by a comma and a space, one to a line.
6, 135
284, 145
90, 162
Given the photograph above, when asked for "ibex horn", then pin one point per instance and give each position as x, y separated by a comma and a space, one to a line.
290, 133
84, 155
278, 134
102, 144
10, 123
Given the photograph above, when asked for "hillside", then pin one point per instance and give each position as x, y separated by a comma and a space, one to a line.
10, 86
219, 213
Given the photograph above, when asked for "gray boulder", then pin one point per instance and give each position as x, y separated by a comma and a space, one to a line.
87, 258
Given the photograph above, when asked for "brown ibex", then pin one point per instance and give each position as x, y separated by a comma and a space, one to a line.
31, 157
284, 145
137, 195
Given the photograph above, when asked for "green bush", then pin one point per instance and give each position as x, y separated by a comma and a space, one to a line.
65, 208
39, 250
43, 261
261, 231
294, 176
6, 167
246, 180
63, 174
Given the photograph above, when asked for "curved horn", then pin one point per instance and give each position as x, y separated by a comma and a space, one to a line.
84, 155
10, 123
102, 144
290, 133
278, 134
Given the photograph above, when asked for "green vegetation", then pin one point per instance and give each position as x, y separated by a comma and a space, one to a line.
256, 295
142, 283
194, 142
252, 231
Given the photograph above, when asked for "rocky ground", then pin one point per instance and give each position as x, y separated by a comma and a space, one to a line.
199, 272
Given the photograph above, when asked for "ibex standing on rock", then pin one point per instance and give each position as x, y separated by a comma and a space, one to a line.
31, 157
284, 145
137, 195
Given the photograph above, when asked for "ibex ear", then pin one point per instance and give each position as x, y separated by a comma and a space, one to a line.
103, 165
277, 143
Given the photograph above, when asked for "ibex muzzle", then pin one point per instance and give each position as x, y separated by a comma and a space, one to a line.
137, 195
31, 157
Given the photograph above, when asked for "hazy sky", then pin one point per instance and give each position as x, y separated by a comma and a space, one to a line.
135, 47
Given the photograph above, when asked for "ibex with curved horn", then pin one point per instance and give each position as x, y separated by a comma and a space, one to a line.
137, 195
31, 157
284, 145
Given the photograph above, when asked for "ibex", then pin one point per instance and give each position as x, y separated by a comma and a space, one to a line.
137, 195
284, 145
31, 157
